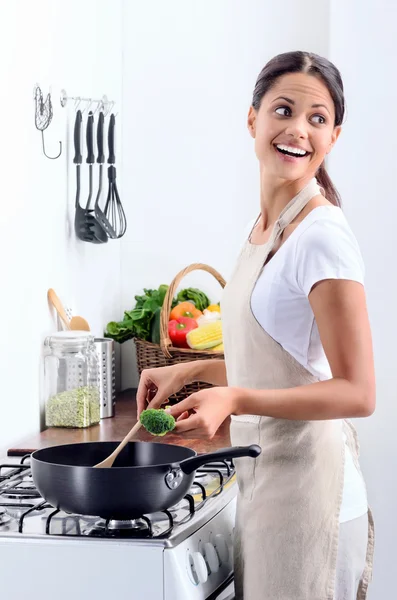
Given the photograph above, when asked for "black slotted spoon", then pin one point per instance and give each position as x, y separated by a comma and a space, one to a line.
86, 226
99, 214
99, 232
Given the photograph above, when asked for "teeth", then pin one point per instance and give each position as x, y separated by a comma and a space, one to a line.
290, 150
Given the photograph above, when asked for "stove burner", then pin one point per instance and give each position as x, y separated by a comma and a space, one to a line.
120, 529
4, 517
135, 524
25, 490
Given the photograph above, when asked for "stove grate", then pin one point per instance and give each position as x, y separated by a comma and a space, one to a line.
16, 484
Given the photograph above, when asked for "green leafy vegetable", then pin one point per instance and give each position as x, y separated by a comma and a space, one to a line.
156, 421
155, 329
200, 299
138, 322
143, 321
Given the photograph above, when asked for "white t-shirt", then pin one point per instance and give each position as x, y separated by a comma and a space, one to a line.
322, 246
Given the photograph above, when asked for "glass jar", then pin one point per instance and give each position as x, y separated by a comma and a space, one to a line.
71, 380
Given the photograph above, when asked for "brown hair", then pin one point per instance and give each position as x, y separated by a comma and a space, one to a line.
312, 64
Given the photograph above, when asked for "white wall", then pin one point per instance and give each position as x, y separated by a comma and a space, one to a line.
77, 46
363, 45
189, 166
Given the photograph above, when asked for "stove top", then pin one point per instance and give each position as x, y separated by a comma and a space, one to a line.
23, 512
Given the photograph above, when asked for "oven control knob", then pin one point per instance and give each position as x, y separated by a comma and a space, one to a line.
211, 557
221, 547
199, 567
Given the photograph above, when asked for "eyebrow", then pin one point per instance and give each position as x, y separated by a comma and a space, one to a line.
292, 102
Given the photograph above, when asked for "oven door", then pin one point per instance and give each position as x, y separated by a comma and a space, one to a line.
225, 591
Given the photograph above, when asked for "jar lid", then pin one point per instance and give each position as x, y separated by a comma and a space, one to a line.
70, 338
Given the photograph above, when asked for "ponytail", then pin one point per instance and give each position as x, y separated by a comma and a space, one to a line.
324, 181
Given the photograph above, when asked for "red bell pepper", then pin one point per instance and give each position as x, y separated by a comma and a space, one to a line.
179, 328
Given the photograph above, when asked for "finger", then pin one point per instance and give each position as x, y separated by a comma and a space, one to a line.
177, 409
191, 423
158, 400
142, 392
151, 393
184, 415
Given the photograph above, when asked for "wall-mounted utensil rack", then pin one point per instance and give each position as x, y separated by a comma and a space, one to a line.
103, 104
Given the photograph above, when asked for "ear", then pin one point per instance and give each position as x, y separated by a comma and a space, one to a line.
335, 134
251, 121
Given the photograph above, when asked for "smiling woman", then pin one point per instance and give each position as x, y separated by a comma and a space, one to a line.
314, 112
298, 356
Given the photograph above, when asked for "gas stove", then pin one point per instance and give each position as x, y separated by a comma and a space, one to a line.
183, 553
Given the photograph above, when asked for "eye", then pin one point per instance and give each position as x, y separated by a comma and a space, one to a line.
320, 119
283, 110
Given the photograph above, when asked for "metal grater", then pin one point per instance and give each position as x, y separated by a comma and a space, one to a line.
106, 376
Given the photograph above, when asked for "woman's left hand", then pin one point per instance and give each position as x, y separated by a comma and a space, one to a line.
201, 414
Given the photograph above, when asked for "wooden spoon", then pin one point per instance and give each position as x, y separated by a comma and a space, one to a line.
75, 323
79, 324
108, 462
57, 304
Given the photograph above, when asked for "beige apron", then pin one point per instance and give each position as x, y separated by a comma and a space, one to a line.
287, 524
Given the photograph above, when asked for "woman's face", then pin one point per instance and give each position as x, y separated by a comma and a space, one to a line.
294, 127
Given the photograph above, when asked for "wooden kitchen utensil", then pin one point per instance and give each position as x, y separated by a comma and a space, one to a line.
75, 323
79, 324
108, 462
57, 304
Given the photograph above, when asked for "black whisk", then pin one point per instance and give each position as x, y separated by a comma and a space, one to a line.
114, 211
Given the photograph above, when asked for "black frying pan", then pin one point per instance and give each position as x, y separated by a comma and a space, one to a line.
146, 477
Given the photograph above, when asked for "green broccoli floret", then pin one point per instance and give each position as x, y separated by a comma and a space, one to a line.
157, 421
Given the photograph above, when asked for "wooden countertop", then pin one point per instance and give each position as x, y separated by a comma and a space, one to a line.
114, 429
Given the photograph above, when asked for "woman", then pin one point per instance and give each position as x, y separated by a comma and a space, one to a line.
298, 356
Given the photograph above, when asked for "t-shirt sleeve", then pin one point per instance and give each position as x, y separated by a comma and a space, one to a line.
327, 250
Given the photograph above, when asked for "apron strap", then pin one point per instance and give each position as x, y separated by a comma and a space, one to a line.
292, 210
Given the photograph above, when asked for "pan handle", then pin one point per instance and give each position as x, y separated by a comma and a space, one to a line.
191, 464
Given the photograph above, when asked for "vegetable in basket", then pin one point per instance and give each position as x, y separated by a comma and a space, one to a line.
143, 321
205, 337
200, 299
208, 316
185, 309
179, 328
214, 308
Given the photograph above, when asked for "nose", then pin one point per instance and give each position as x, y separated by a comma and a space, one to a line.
297, 127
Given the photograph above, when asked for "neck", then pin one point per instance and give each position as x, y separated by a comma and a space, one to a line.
275, 195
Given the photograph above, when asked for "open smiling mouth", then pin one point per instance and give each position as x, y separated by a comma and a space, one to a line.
289, 151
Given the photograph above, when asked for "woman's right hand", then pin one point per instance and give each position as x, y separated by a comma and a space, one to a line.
156, 385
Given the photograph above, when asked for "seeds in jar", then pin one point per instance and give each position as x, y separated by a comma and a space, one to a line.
73, 408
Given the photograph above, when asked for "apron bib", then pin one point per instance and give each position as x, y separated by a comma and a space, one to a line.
287, 522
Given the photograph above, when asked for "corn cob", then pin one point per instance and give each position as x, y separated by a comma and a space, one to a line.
219, 348
205, 337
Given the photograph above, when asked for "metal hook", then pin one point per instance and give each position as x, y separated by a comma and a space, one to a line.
45, 154
110, 107
77, 103
87, 106
99, 106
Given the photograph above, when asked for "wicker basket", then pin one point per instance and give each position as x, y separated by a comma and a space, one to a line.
151, 355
